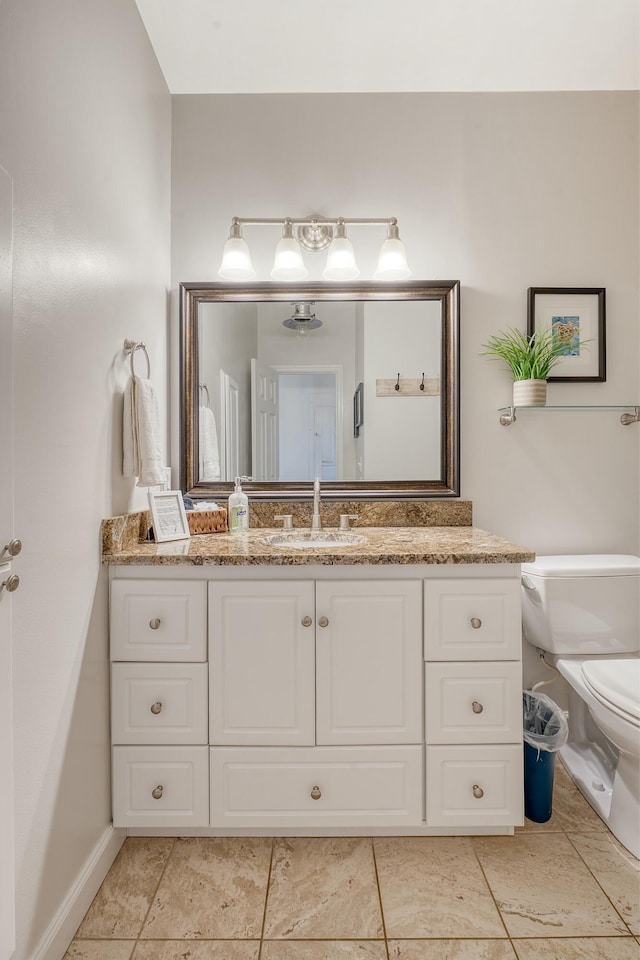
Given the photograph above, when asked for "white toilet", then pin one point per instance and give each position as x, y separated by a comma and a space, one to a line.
585, 612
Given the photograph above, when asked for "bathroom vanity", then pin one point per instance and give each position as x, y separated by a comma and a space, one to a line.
362, 688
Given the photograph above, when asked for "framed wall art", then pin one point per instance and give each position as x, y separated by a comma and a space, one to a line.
577, 317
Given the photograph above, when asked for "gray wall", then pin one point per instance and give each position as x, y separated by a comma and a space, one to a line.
501, 191
85, 126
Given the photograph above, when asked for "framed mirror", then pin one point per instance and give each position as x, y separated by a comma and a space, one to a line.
356, 384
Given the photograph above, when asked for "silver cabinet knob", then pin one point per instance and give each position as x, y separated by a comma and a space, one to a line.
476, 623
13, 548
306, 621
156, 707
477, 707
155, 623
323, 622
157, 793
11, 583
478, 792
316, 793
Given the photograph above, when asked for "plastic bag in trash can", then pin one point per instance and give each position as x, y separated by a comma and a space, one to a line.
544, 724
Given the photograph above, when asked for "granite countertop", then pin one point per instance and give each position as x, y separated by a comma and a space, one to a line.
382, 545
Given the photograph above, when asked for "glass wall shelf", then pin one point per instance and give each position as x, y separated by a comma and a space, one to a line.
631, 412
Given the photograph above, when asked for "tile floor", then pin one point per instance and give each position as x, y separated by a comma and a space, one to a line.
564, 890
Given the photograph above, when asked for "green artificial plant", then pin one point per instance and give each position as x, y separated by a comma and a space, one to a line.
529, 358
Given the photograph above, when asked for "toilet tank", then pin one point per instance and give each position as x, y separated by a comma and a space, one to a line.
586, 605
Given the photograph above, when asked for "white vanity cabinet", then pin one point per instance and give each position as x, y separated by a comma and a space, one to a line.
317, 699
473, 702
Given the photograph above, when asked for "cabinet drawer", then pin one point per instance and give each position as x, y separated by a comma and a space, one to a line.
473, 702
158, 620
472, 619
357, 786
474, 786
159, 703
160, 786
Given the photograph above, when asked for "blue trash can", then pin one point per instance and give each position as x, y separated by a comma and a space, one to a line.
545, 730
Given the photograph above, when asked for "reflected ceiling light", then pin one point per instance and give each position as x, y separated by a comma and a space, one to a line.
314, 234
302, 319
236, 259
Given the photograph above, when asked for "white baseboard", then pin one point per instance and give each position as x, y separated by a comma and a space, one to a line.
77, 901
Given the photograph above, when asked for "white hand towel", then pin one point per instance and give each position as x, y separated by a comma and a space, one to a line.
209, 451
142, 453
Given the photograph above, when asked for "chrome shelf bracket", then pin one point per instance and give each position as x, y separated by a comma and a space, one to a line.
627, 418
508, 417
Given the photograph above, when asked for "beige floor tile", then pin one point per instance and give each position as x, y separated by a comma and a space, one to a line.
617, 872
542, 886
100, 950
197, 950
323, 950
433, 887
578, 948
213, 888
120, 906
570, 809
323, 888
450, 950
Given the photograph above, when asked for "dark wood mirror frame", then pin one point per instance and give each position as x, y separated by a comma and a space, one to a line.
192, 295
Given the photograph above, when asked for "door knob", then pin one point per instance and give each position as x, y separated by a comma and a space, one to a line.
11, 583
13, 548
477, 707
323, 622
156, 707
155, 623
316, 793
306, 621
157, 793
476, 623
478, 792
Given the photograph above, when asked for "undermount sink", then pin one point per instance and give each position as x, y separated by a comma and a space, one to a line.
296, 539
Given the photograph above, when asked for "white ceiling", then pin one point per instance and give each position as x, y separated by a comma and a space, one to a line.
326, 46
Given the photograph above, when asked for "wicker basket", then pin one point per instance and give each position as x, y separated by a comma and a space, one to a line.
207, 521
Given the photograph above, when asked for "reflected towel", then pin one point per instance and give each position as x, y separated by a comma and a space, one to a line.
141, 449
208, 450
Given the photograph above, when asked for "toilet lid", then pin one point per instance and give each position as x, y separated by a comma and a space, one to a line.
616, 682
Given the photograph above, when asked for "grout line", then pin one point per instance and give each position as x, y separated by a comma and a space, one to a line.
384, 926
153, 897
489, 887
266, 900
596, 879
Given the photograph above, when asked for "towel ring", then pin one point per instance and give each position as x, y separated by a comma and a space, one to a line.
130, 346
205, 389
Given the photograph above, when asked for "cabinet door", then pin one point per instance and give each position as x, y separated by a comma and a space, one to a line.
368, 662
472, 619
261, 663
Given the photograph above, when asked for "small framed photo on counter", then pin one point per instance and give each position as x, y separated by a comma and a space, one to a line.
168, 515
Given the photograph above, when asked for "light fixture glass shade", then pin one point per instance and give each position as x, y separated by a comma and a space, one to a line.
288, 263
392, 261
341, 262
236, 261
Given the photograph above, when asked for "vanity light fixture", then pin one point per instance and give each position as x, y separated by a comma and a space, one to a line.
314, 234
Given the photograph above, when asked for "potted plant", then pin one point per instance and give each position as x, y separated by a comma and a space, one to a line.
530, 358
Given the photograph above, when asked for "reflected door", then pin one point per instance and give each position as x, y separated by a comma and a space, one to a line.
264, 421
7, 881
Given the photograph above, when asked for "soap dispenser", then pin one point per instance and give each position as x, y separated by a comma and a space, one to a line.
238, 509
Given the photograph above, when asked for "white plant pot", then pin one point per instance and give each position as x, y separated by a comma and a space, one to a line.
529, 393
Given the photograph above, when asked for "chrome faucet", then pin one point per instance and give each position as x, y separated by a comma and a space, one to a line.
316, 523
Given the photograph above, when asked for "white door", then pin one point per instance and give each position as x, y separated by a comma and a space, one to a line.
369, 662
264, 421
261, 662
230, 416
7, 883
324, 441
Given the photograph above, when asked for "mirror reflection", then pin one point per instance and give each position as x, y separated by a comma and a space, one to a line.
355, 384
342, 391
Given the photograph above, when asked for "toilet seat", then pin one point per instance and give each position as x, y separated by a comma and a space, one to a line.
616, 684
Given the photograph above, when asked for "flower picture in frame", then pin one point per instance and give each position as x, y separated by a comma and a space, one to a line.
168, 515
576, 316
